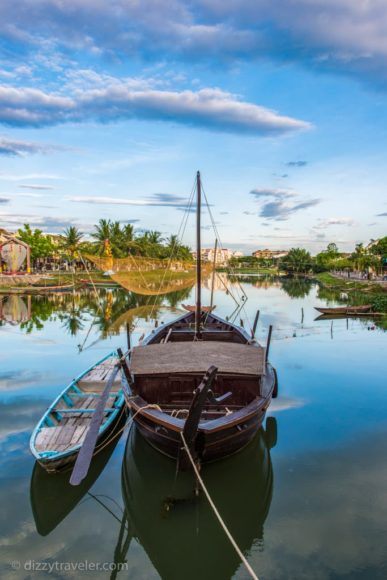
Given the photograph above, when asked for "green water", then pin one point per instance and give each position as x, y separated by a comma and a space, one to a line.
307, 499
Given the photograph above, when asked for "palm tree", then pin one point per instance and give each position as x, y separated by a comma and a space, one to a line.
101, 234
71, 239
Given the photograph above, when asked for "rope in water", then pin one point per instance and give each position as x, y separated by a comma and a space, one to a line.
217, 514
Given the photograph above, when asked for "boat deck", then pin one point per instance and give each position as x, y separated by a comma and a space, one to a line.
197, 357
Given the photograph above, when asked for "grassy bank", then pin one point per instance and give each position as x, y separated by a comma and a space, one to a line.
355, 293
271, 271
50, 279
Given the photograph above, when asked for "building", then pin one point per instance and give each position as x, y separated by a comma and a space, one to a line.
223, 255
270, 254
15, 255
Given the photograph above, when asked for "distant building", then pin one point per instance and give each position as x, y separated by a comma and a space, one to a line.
223, 255
270, 254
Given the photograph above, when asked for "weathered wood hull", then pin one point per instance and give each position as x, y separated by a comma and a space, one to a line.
59, 435
348, 310
65, 463
221, 431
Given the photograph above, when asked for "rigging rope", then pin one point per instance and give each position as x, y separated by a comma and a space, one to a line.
217, 514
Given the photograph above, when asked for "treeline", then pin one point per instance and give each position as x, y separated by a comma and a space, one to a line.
109, 238
361, 259
299, 260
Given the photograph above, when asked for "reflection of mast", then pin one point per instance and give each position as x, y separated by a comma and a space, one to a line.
213, 274
198, 259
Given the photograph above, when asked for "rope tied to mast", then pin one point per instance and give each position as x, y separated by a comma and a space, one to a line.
217, 514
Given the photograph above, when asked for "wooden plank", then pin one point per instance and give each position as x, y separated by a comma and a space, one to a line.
197, 357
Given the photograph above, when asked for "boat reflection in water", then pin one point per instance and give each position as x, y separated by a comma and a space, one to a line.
53, 498
178, 531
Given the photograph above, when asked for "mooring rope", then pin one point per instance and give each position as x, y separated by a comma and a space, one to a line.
217, 514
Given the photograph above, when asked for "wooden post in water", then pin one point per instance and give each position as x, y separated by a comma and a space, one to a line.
255, 324
268, 342
213, 275
128, 334
198, 313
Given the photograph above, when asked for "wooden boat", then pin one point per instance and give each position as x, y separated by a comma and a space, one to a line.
192, 308
347, 310
201, 378
167, 519
57, 438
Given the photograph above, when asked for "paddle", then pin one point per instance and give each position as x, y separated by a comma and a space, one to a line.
85, 454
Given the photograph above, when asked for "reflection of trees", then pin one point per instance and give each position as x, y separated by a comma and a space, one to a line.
296, 287
173, 298
105, 307
42, 310
329, 294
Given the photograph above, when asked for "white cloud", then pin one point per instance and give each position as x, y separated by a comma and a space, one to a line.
209, 108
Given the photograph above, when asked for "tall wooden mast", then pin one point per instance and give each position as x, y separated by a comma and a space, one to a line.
198, 258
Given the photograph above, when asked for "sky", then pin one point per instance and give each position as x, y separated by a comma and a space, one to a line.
108, 109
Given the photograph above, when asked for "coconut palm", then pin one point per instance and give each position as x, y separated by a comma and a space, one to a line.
71, 239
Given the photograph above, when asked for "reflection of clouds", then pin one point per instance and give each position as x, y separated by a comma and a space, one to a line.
17, 419
88, 533
329, 514
284, 403
14, 380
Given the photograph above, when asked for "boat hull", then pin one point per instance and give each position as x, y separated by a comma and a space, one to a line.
215, 439
346, 310
55, 442
64, 463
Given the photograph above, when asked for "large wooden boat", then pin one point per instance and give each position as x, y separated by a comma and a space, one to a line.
348, 310
200, 378
59, 435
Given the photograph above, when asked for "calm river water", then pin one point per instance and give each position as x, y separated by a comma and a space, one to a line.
307, 499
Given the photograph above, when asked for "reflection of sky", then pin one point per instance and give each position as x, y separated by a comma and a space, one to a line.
329, 469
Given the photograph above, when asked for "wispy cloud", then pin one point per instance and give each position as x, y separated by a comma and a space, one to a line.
157, 199
282, 205
49, 223
13, 147
384, 214
4, 199
275, 193
207, 108
39, 187
280, 210
335, 221
296, 163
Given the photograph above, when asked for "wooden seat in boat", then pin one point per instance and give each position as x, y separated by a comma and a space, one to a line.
197, 357
96, 379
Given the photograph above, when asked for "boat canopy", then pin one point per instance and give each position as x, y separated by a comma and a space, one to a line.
197, 357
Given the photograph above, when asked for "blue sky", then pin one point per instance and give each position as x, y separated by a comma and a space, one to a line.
107, 109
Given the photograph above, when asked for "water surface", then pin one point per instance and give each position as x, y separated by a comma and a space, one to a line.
307, 499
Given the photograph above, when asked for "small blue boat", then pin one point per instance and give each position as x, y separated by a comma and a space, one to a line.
58, 437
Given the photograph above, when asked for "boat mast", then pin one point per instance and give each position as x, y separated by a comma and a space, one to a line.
198, 259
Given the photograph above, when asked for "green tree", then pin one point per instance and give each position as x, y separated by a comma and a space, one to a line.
71, 240
40, 244
297, 261
102, 233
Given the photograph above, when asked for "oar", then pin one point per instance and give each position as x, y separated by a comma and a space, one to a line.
85, 454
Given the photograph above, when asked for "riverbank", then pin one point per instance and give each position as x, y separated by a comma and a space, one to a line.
356, 293
10, 283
